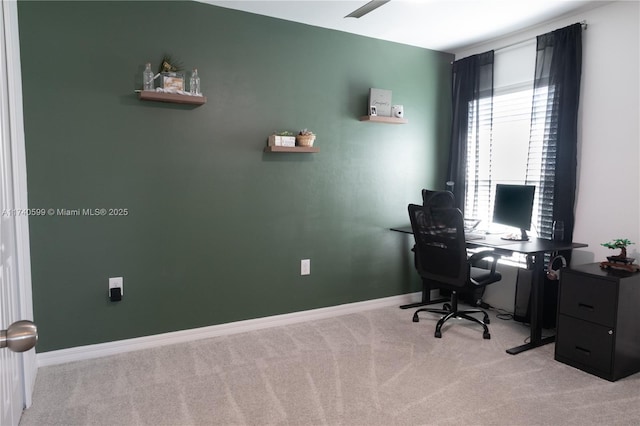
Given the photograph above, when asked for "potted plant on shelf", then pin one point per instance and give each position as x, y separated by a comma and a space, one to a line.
305, 138
619, 243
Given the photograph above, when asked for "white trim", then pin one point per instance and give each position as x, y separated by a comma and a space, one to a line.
19, 171
82, 353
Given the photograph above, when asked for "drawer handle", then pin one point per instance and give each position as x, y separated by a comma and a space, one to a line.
583, 351
587, 307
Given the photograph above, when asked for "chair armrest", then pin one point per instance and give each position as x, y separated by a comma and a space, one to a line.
481, 255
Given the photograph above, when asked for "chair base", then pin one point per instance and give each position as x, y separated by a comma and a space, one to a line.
449, 313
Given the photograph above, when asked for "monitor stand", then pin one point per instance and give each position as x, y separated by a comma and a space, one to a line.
523, 236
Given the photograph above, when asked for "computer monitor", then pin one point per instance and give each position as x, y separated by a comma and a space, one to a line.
513, 207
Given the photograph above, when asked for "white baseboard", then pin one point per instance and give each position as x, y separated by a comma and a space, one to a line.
81, 353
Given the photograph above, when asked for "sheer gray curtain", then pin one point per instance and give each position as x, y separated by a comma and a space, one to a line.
472, 81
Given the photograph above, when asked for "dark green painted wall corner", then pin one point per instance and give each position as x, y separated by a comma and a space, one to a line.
216, 228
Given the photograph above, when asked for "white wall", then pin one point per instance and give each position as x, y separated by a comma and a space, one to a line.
608, 190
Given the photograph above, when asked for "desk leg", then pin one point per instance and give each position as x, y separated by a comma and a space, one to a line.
537, 301
426, 297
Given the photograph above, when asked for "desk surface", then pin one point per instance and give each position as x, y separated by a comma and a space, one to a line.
533, 246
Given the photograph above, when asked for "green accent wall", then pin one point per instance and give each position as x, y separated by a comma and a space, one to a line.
216, 228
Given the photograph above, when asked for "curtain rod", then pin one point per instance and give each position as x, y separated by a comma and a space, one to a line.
584, 27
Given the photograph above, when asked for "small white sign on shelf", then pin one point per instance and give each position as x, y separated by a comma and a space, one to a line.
275, 140
381, 99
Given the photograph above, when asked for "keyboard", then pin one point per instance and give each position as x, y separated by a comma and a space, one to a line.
471, 237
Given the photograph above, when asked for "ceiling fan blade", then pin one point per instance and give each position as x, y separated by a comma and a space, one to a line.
363, 10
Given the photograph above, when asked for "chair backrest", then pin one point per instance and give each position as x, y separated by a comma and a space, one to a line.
440, 249
438, 198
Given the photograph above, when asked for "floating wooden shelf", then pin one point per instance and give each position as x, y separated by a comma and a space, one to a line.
381, 119
147, 95
291, 149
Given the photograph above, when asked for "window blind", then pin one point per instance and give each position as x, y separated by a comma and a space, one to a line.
511, 141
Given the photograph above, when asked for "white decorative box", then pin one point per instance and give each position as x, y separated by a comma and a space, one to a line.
275, 140
172, 81
381, 99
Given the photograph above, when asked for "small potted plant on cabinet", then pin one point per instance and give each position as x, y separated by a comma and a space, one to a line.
619, 243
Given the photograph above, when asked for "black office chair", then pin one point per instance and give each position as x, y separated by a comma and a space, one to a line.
433, 199
441, 256
438, 198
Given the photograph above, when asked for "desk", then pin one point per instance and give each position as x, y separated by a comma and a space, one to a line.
536, 248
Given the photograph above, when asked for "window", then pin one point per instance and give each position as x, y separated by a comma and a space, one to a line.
504, 147
503, 153
506, 142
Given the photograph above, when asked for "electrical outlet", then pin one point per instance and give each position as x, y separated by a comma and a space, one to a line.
116, 282
305, 267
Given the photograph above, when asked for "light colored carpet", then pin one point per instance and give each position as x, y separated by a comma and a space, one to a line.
371, 368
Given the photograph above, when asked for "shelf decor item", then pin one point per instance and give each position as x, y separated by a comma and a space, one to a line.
305, 138
381, 99
171, 77
380, 109
285, 138
397, 111
194, 83
172, 81
148, 78
620, 261
169, 64
171, 88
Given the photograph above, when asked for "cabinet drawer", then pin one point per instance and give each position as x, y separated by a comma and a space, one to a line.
588, 297
587, 344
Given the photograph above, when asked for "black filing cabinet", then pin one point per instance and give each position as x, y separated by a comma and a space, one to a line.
598, 330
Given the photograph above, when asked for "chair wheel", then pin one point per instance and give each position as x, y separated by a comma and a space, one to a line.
438, 334
486, 335
446, 307
415, 318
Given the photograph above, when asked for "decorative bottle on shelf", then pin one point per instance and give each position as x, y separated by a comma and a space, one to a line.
147, 78
194, 83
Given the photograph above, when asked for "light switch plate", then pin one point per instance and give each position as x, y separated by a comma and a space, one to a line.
116, 282
305, 267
